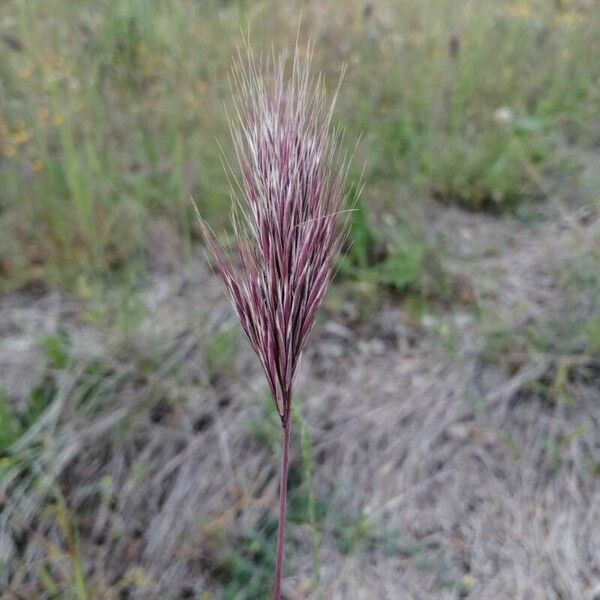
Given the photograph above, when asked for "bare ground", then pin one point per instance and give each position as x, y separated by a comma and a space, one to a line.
439, 473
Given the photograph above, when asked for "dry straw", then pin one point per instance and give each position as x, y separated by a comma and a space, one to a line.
288, 200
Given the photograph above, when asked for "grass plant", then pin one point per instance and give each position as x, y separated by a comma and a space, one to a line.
288, 201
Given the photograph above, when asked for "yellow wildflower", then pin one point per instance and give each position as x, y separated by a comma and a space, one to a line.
9, 151
37, 164
20, 137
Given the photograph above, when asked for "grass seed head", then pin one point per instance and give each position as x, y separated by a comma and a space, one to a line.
288, 200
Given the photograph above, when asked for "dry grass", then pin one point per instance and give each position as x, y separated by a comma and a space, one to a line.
437, 475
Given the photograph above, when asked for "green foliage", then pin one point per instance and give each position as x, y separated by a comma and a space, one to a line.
72, 551
355, 533
13, 424
9, 425
473, 105
502, 341
40, 399
366, 260
110, 113
362, 237
57, 350
96, 136
593, 334
496, 172
246, 571
351, 532
403, 261
221, 350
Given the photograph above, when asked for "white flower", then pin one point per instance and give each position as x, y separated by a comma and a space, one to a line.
503, 115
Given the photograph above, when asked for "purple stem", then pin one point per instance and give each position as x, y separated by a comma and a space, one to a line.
283, 478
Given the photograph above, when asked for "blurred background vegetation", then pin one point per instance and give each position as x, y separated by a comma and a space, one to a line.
110, 113
482, 115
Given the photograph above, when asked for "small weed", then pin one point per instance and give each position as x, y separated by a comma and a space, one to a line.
593, 334
9, 424
351, 532
404, 263
246, 571
40, 399
57, 349
14, 423
221, 350
76, 586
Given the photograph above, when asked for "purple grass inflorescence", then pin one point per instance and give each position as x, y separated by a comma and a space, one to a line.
288, 200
